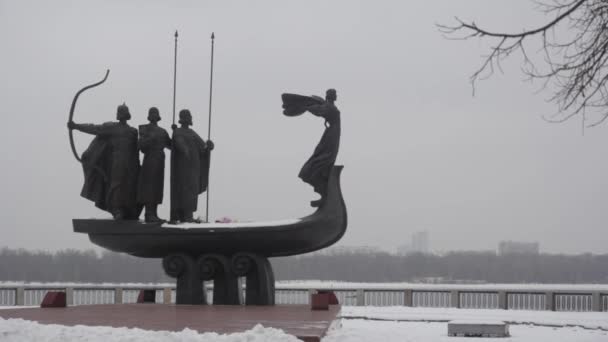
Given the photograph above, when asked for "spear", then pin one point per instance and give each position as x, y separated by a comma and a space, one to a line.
174, 75
209, 124
173, 213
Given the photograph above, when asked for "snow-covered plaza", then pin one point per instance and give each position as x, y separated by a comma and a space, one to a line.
385, 324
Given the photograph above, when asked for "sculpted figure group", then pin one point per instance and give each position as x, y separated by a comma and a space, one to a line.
115, 181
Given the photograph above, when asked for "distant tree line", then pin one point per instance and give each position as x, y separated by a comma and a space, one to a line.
77, 266
464, 267
343, 265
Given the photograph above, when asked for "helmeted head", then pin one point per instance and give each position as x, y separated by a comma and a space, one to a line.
153, 115
331, 95
122, 113
185, 118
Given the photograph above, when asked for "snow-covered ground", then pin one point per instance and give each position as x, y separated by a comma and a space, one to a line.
588, 320
386, 324
386, 331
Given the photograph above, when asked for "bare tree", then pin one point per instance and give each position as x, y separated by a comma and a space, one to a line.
574, 60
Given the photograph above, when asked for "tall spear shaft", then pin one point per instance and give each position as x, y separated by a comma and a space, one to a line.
209, 124
174, 75
173, 213
210, 87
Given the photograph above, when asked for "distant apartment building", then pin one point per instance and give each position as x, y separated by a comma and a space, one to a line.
419, 244
515, 247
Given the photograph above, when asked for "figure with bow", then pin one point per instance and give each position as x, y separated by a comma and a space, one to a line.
110, 163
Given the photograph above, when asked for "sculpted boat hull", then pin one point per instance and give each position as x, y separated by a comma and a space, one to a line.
319, 230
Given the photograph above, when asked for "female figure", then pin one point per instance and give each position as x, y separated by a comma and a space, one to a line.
316, 169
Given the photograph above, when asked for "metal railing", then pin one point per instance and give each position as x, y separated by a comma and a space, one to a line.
468, 298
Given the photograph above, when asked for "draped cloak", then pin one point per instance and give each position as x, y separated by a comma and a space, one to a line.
316, 169
189, 171
152, 142
111, 166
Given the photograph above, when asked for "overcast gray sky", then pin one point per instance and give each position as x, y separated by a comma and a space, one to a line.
420, 152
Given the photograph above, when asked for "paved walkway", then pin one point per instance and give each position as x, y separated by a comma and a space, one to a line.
296, 320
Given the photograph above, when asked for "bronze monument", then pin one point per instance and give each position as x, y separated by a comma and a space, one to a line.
218, 252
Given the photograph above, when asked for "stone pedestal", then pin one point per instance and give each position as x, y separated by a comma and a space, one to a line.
54, 299
478, 329
146, 296
319, 301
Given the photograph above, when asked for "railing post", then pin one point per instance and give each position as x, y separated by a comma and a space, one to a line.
118, 295
503, 302
20, 296
69, 296
167, 291
310, 293
550, 301
408, 298
455, 298
596, 301
360, 297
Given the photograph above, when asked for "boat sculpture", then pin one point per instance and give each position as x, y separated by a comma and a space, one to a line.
222, 252
197, 252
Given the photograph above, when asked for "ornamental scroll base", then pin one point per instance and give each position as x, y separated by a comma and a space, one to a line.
259, 275
224, 271
216, 267
189, 284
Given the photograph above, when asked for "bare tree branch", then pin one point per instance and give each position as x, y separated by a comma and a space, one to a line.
574, 59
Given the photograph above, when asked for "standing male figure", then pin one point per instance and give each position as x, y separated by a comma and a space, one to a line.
189, 169
111, 166
152, 142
